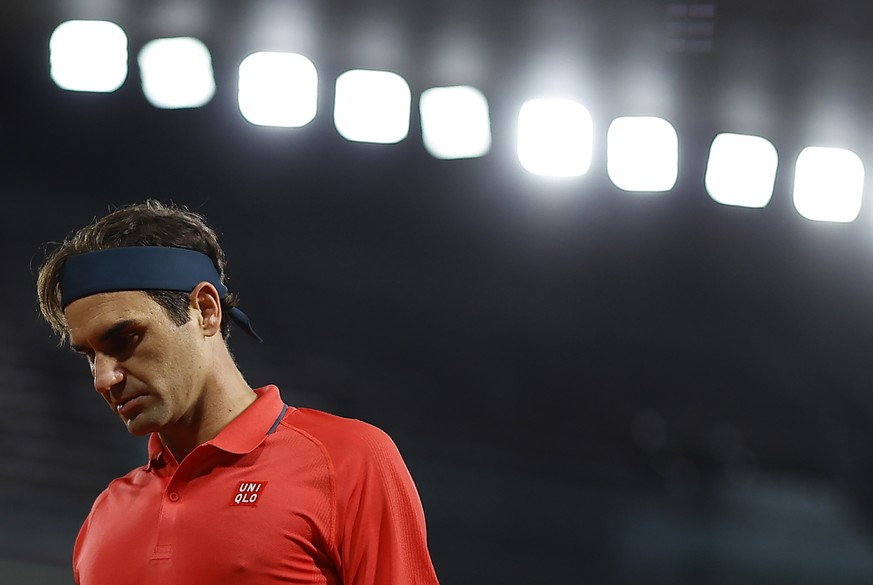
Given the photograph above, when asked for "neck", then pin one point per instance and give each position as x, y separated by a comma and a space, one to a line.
225, 396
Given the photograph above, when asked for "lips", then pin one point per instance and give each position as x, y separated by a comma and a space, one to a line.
127, 407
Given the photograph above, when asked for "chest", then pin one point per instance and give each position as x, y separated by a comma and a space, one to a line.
246, 520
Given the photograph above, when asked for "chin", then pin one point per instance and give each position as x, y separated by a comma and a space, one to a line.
139, 426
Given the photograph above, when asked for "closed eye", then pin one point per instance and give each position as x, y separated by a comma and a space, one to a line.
118, 341
122, 338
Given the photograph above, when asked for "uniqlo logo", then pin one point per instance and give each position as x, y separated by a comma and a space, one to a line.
248, 493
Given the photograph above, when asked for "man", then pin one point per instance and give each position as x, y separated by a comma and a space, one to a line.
238, 487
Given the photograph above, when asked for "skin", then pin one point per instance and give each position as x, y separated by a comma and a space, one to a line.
178, 381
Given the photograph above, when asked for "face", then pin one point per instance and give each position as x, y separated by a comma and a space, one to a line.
150, 371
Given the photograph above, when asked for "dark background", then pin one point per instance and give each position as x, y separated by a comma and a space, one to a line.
588, 385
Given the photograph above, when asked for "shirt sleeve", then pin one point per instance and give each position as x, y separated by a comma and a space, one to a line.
381, 535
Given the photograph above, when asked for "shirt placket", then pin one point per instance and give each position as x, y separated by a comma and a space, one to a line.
171, 500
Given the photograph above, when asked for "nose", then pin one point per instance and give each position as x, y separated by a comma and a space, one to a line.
106, 373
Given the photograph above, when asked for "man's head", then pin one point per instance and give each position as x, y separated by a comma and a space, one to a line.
153, 351
145, 224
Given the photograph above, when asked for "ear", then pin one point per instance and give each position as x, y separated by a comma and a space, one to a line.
206, 305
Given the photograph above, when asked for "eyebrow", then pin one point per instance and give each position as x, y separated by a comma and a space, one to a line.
109, 333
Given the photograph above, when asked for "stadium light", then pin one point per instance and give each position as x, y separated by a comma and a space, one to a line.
176, 73
555, 137
278, 89
741, 170
88, 55
642, 154
828, 184
372, 106
455, 122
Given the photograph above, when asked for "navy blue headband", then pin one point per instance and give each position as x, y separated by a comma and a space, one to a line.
142, 268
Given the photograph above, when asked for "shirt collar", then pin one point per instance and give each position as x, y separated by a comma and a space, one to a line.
242, 434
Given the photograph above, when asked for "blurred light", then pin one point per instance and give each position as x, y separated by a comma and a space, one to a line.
741, 170
88, 55
828, 184
642, 154
455, 122
372, 106
176, 73
555, 137
278, 89
289, 26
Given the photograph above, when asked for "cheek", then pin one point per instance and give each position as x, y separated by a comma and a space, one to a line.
171, 364
182, 368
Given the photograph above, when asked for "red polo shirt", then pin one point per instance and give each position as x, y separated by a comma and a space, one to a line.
279, 496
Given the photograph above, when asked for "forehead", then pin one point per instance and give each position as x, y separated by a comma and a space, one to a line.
93, 312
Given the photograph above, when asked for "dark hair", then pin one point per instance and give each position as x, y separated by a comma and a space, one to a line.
151, 223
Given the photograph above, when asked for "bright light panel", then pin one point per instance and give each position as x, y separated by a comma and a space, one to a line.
455, 122
88, 55
642, 154
741, 170
828, 184
278, 89
372, 106
176, 73
555, 137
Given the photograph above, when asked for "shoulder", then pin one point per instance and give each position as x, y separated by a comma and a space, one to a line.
124, 486
342, 439
333, 430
